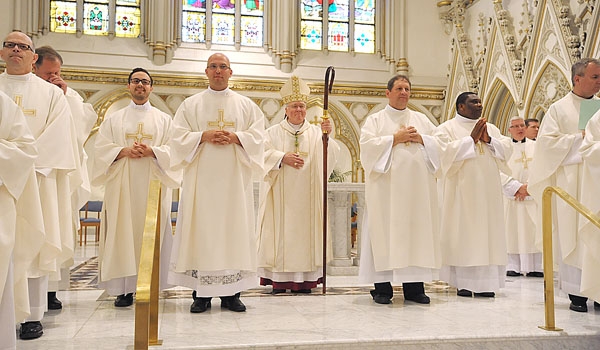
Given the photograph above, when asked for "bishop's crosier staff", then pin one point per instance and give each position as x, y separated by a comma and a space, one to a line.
329, 77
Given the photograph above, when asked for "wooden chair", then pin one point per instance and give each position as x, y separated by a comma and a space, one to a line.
87, 221
174, 209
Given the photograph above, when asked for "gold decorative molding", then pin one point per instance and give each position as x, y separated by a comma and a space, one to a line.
201, 82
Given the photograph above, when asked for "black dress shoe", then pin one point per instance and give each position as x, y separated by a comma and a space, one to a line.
578, 307
53, 302
464, 293
278, 291
124, 300
233, 303
418, 298
382, 299
535, 274
596, 306
511, 273
31, 330
302, 291
485, 294
200, 305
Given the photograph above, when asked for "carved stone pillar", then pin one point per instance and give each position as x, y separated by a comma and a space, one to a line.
282, 42
159, 29
29, 15
339, 203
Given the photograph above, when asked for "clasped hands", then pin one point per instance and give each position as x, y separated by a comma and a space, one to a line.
407, 134
220, 137
293, 159
138, 150
479, 132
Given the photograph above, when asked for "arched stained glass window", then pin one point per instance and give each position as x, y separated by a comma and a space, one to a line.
100, 17
221, 17
349, 24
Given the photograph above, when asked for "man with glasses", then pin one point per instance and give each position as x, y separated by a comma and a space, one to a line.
131, 150
218, 141
48, 66
519, 208
290, 225
57, 166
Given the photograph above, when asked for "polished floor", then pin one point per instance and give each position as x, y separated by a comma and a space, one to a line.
345, 319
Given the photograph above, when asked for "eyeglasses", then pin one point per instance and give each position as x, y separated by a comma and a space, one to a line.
22, 47
517, 126
215, 66
296, 106
136, 81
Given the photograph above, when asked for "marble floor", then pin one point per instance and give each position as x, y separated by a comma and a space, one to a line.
339, 321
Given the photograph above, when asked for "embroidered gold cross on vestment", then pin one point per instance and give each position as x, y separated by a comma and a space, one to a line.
220, 122
524, 159
139, 134
19, 102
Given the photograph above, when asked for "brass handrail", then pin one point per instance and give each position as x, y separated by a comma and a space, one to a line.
547, 249
146, 298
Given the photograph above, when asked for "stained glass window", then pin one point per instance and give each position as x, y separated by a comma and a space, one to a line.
127, 19
311, 35
63, 16
252, 31
97, 18
350, 25
222, 29
222, 16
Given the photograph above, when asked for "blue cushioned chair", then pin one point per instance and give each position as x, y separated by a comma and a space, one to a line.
87, 221
174, 209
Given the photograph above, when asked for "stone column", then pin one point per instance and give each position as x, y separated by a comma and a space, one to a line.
339, 204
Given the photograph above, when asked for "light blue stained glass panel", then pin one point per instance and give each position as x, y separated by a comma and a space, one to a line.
311, 9
223, 6
223, 28
95, 19
339, 10
337, 40
311, 35
252, 7
194, 5
364, 38
364, 11
193, 26
127, 21
63, 16
252, 31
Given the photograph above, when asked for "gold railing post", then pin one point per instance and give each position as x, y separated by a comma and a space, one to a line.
547, 252
548, 260
146, 299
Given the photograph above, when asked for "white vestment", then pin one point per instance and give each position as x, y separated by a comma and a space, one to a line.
126, 191
590, 198
400, 233
520, 216
558, 163
472, 226
214, 249
57, 168
17, 156
290, 220
84, 119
